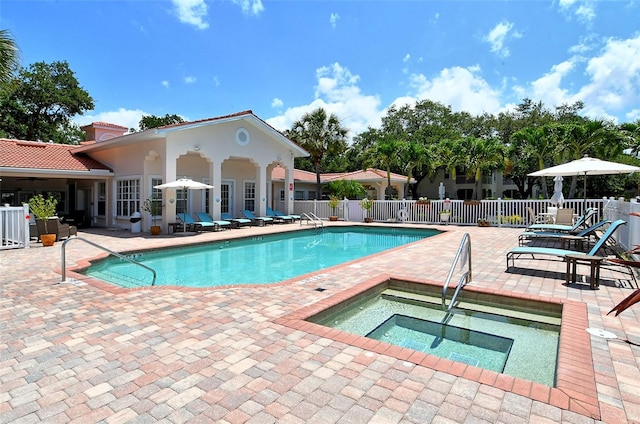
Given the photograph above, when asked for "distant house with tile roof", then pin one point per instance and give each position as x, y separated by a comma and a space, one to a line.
373, 180
103, 181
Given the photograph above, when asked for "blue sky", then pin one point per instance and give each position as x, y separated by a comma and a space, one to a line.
204, 58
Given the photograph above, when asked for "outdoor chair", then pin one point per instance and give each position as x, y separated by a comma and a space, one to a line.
205, 217
193, 225
516, 252
279, 218
584, 234
278, 213
257, 220
564, 216
580, 222
236, 222
54, 226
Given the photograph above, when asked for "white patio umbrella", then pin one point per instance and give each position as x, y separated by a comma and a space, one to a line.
185, 184
584, 167
558, 198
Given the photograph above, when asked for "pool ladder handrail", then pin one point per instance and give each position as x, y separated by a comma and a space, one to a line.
123, 257
311, 217
466, 276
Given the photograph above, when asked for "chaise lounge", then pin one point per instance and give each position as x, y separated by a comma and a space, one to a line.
581, 221
193, 225
257, 220
283, 219
221, 224
584, 234
516, 252
239, 222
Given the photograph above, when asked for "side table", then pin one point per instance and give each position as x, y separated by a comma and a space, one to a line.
568, 239
594, 263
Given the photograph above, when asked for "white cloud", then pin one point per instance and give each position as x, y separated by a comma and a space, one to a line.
336, 91
253, 7
190, 79
548, 88
334, 19
276, 103
613, 80
216, 80
499, 35
614, 76
192, 12
463, 89
125, 117
407, 57
165, 84
583, 10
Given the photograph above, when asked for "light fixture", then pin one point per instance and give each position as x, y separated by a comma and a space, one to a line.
196, 148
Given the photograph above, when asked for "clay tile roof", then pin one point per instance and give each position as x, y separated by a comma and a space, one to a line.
38, 155
299, 175
104, 124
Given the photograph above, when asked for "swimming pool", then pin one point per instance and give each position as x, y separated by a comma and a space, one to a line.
518, 339
255, 260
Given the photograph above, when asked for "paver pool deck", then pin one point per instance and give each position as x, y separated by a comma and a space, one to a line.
75, 352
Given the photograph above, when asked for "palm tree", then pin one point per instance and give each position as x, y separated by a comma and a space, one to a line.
385, 154
9, 56
415, 155
541, 143
484, 154
589, 136
319, 134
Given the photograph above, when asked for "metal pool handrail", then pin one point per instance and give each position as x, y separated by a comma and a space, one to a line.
465, 243
310, 216
64, 266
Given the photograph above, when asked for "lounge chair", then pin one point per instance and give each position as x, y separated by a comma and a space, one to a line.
516, 252
528, 235
257, 220
236, 222
205, 217
193, 225
279, 218
580, 222
278, 213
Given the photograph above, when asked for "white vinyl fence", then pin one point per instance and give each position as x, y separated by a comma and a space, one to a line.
498, 213
14, 227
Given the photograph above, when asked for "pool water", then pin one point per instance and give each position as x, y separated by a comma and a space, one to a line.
255, 260
521, 342
471, 347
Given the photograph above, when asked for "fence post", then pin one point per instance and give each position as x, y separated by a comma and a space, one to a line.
26, 222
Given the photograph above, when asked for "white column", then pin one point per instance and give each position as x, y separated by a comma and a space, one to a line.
261, 190
288, 191
216, 182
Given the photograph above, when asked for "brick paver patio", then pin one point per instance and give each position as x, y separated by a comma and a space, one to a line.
75, 352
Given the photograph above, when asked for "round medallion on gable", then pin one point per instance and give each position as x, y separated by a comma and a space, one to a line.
242, 136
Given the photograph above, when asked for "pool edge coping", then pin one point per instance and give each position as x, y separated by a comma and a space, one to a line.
575, 389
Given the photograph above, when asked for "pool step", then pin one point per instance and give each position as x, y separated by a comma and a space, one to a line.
436, 299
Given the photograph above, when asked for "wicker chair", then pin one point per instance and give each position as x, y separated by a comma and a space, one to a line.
54, 226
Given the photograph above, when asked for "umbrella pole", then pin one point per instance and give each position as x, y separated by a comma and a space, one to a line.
584, 206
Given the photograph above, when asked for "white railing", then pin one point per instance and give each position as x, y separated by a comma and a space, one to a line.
14, 227
498, 213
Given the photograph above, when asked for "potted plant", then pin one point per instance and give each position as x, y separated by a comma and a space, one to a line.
445, 215
423, 201
367, 204
154, 207
334, 201
43, 209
